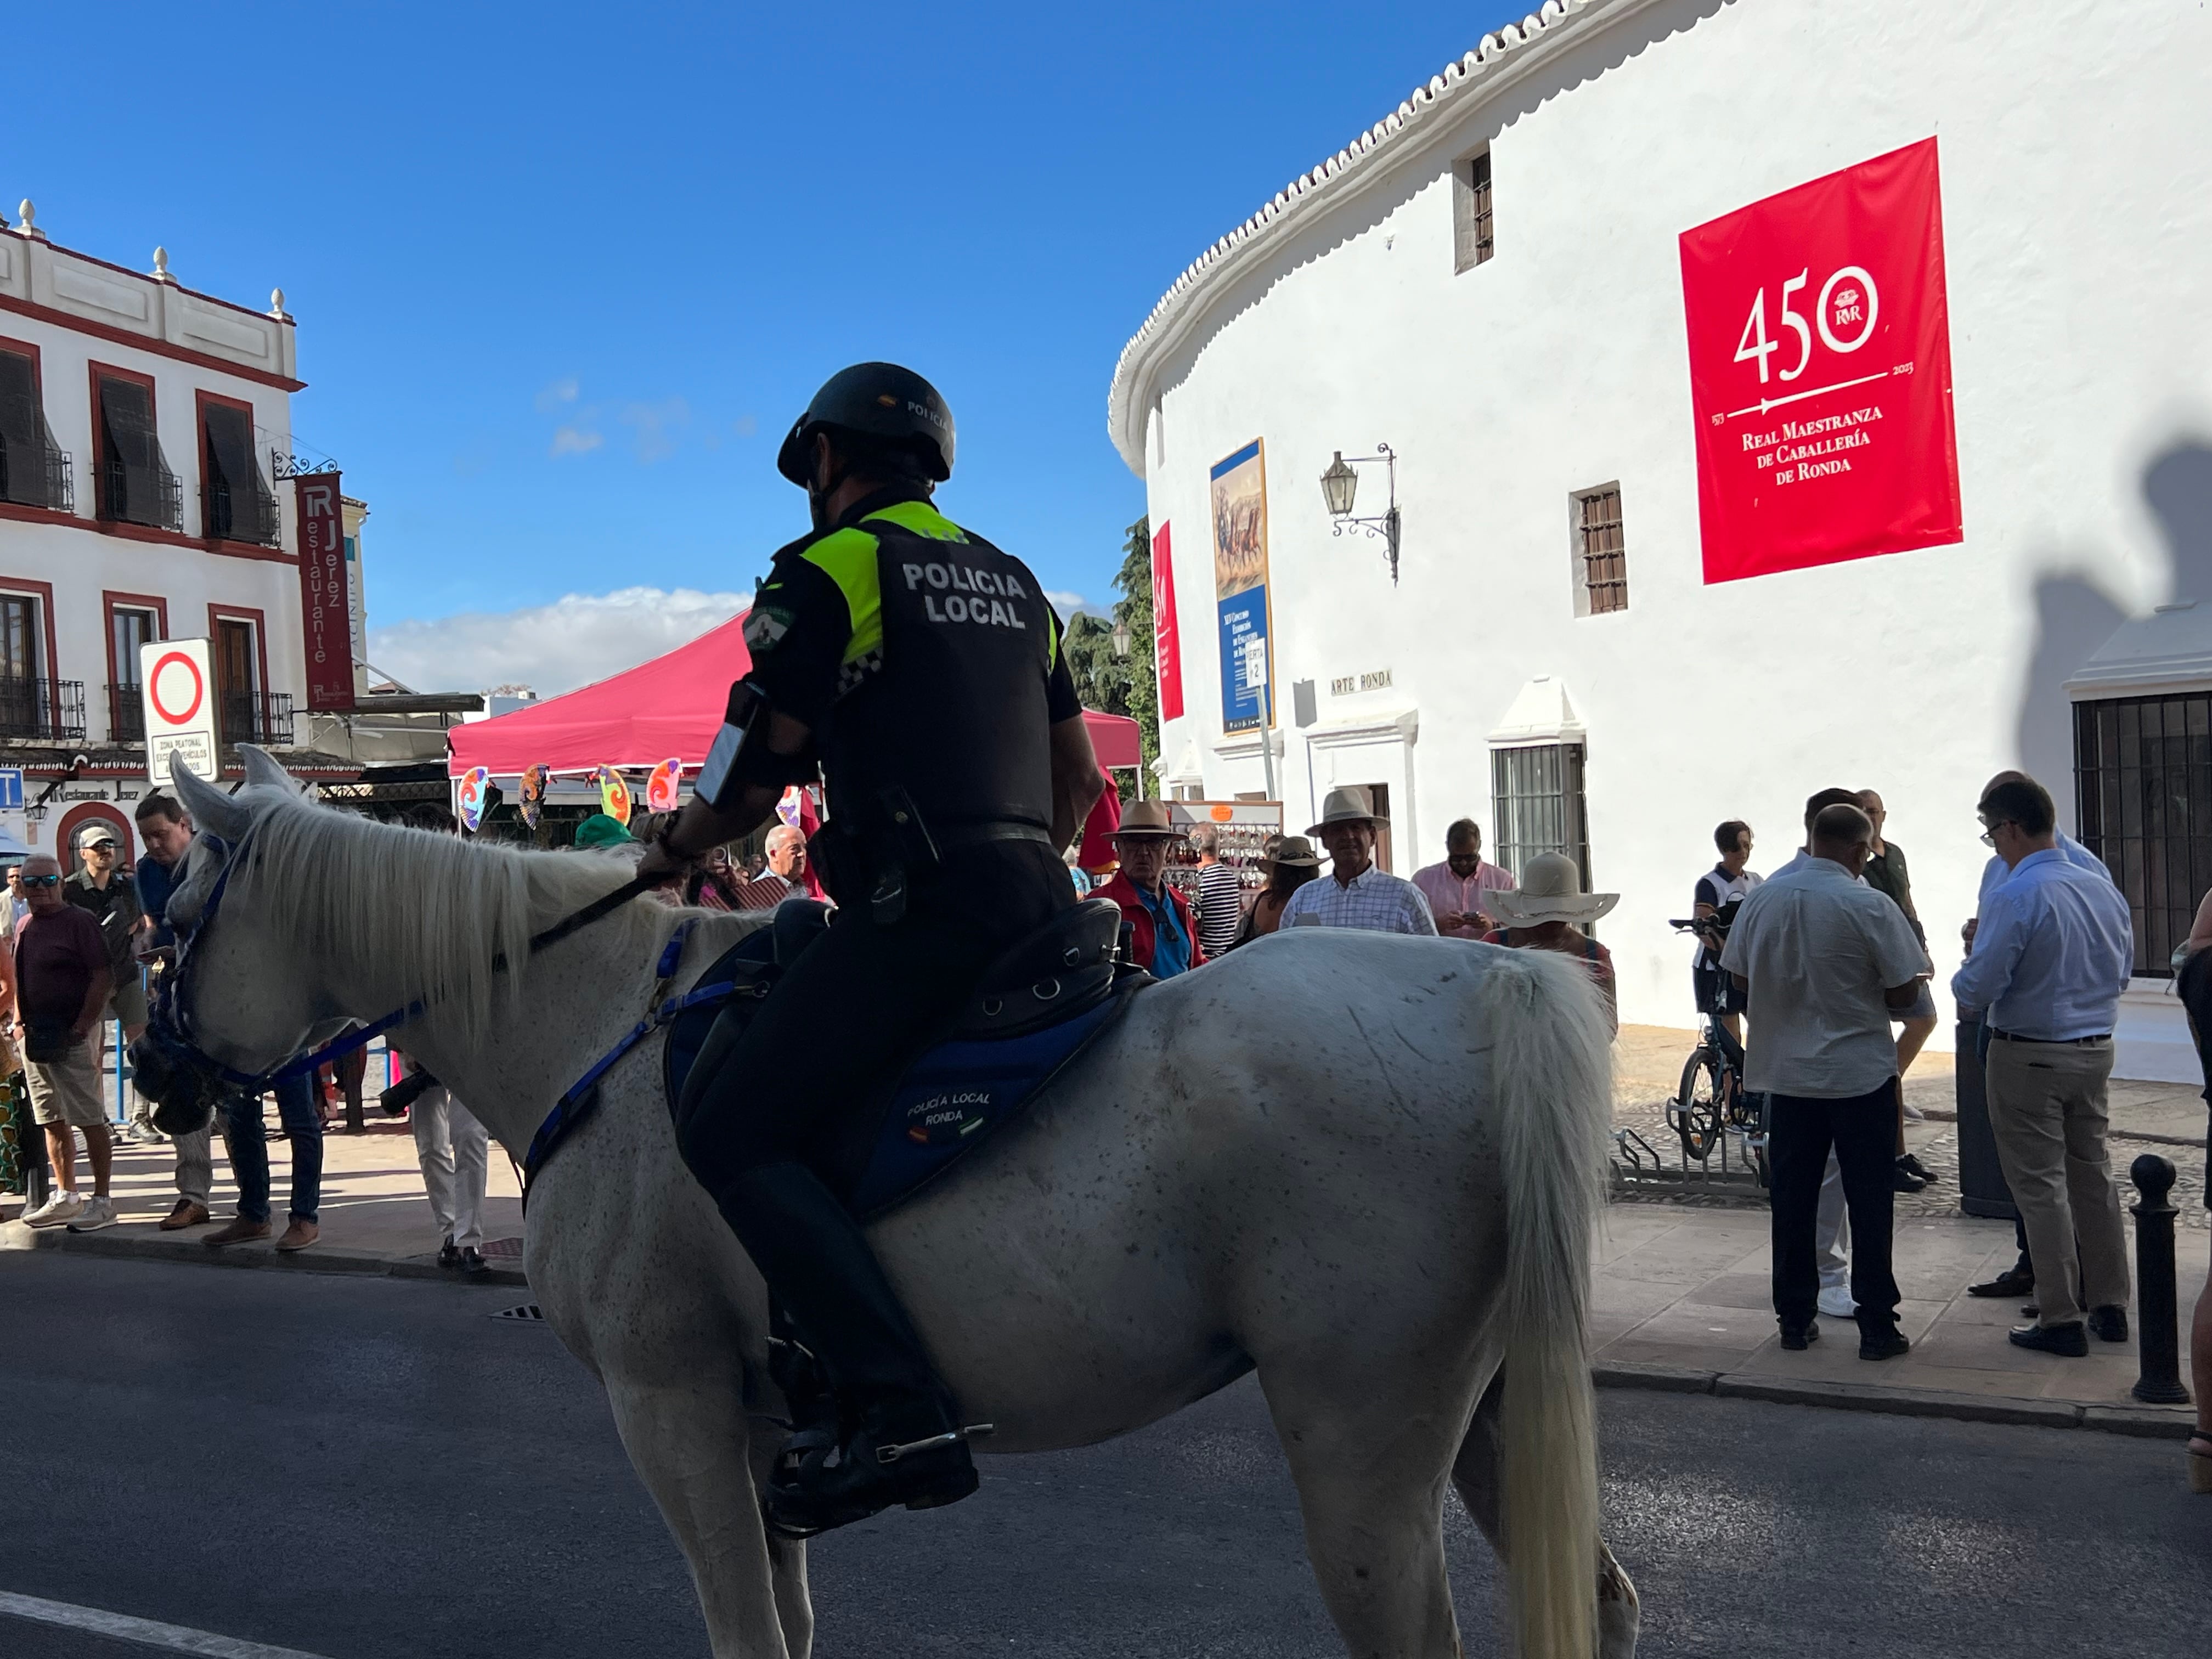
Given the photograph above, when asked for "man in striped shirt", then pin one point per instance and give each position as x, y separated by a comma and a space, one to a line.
1220, 904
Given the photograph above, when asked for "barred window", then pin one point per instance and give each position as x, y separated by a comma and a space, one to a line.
2143, 783
235, 505
1471, 225
1600, 552
33, 470
1537, 804
135, 485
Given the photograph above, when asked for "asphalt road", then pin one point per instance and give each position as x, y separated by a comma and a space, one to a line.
369, 1469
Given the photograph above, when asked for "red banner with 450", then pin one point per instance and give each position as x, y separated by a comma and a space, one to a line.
1820, 372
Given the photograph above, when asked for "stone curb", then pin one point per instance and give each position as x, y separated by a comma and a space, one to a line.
187, 1247
2148, 1421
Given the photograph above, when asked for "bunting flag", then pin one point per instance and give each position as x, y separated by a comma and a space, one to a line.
474, 782
614, 793
661, 791
534, 780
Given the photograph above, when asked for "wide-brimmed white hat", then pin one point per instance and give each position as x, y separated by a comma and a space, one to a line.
1350, 804
1551, 890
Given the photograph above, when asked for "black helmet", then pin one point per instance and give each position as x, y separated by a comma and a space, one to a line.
882, 401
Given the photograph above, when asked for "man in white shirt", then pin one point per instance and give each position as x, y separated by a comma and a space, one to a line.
1355, 893
1824, 958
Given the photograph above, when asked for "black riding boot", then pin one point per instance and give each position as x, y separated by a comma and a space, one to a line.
819, 1267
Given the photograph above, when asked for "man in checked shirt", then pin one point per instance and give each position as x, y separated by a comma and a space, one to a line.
1354, 893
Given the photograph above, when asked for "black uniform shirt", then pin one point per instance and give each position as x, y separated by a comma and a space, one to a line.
816, 623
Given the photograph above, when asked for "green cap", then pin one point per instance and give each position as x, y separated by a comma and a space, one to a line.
600, 830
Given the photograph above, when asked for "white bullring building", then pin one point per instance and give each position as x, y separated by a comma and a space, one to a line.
1776, 394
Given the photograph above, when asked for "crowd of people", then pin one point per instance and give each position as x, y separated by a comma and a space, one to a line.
1827, 959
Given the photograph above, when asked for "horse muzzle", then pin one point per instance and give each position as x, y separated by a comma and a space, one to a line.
168, 1073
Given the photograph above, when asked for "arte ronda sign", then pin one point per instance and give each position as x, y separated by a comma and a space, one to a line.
1820, 372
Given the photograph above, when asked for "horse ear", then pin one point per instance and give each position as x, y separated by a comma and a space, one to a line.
260, 768
211, 809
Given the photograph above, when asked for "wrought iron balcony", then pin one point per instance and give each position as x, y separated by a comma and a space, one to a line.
51, 711
262, 717
137, 495
240, 515
127, 715
36, 475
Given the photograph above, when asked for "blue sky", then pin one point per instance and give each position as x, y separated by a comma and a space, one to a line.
563, 274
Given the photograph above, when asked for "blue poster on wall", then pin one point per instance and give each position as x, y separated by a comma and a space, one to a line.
1239, 492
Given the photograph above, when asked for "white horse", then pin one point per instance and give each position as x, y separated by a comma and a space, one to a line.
1366, 1166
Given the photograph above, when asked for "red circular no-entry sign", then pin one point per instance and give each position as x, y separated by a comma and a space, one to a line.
175, 659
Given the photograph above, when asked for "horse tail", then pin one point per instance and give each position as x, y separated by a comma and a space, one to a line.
1552, 1081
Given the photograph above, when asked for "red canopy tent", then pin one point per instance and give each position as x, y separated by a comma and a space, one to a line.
671, 706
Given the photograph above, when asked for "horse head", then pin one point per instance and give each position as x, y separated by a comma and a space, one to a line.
239, 1000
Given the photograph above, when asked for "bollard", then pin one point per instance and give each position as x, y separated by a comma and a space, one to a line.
2157, 1339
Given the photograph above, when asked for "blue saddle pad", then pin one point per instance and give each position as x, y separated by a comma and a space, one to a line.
948, 1102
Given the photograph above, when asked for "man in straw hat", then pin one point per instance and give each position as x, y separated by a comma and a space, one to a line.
1355, 893
1545, 912
1162, 937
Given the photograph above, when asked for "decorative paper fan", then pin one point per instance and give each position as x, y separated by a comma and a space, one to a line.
662, 793
614, 794
534, 780
473, 784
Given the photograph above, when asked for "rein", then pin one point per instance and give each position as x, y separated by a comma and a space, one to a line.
171, 1011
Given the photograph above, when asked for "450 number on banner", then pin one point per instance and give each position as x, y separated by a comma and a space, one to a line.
1848, 300
1824, 406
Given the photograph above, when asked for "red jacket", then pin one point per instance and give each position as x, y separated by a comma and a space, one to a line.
1123, 892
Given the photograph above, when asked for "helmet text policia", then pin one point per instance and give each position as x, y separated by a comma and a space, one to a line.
878, 401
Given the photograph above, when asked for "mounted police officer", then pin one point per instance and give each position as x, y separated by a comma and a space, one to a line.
919, 669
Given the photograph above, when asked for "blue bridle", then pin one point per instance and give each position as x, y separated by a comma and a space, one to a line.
168, 1031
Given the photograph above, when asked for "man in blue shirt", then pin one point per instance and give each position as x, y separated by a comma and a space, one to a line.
2052, 953
168, 833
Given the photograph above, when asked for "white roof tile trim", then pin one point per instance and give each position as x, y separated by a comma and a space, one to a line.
1478, 73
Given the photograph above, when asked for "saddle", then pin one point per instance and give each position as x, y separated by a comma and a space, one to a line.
1039, 1006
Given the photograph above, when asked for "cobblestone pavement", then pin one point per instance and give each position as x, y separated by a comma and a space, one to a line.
1648, 1066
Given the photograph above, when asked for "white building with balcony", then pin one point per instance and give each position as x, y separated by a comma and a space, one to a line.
141, 428
1499, 282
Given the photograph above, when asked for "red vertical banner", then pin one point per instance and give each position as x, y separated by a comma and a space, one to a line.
1820, 372
1167, 639
326, 616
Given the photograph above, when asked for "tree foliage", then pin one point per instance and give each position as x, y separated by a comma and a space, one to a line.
1121, 685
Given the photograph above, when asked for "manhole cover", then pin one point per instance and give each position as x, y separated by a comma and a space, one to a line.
527, 1311
503, 1249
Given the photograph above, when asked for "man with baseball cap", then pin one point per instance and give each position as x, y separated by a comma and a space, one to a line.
107, 893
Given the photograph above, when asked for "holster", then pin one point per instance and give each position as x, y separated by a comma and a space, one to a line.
880, 862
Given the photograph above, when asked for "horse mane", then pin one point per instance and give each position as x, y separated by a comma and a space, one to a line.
434, 911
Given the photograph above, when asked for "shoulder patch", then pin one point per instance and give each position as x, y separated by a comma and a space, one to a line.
765, 627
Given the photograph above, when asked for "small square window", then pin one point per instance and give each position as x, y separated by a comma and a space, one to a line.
1471, 224
1600, 554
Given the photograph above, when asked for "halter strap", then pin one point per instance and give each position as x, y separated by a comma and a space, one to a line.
255, 1083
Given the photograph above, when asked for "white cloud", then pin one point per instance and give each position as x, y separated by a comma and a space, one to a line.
551, 647
1066, 604
650, 422
563, 391
746, 426
574, 441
